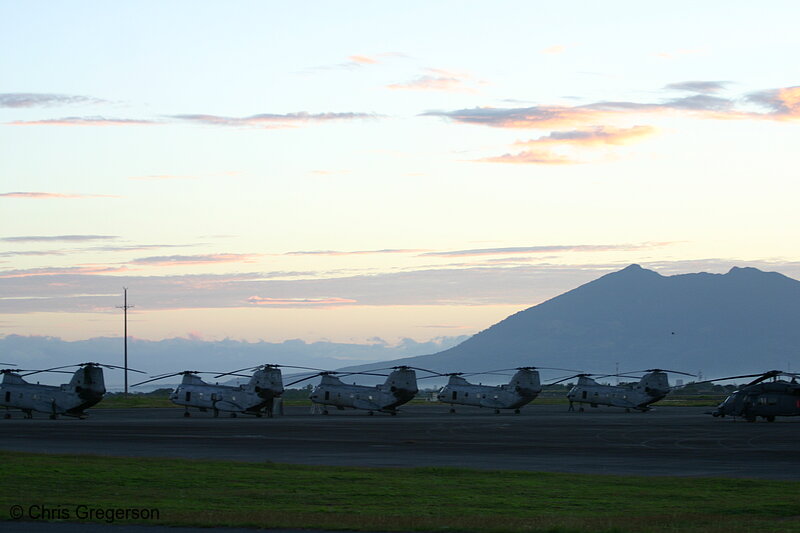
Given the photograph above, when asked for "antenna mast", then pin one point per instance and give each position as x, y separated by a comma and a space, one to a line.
125, 308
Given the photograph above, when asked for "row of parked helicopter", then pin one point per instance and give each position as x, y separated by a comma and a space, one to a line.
766, 396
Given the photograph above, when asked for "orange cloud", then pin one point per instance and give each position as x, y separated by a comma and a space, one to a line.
555, 49
438, 80
364, 60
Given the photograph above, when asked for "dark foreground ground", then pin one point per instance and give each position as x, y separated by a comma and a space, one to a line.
668, 441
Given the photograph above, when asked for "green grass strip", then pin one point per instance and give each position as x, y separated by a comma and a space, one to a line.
220, 493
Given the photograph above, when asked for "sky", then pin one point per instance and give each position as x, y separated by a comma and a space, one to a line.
367, 172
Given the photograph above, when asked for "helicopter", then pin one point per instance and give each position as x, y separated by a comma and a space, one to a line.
85, 389
399, 388
651, 387
523, 387
253, 398
761, 397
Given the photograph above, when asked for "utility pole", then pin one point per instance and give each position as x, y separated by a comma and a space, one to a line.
125, 308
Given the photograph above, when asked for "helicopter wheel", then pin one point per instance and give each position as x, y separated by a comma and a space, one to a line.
750, 418
452, 411
186, 414
497, 411
216, 413
53, 417
371, 413
770, 418
580, 409
516, 411
233, 415
394, 413
324, 411
7, 416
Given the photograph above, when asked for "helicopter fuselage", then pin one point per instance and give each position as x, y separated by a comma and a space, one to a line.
85, 390
523, 388
650, 389
251, 398
400, 387
766, 399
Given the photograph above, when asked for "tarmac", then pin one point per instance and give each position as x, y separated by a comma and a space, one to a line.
667, 441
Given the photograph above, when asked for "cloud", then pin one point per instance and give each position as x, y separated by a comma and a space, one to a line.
160, 177
705, 87
271, 120
555, 49
84, 121
782, 103
358, 252
23, 100
50, 238
363, 60
599, 135
61, 271
532, 157
515, 250
204, 259
438, 80
53, 195
294, 302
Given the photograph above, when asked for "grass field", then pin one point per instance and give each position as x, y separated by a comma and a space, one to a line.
216, 493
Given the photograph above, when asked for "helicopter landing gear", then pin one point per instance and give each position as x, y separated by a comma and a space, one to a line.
497, 411
516, 411
53, 416
370, 413
216, 413
186, 414
233, 415
7, 416
393, 413
452, 411
580, 409
770, 418
750, 418
259, 415
324, 411
28, 415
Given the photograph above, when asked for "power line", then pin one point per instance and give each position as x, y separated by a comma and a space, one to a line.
125, 308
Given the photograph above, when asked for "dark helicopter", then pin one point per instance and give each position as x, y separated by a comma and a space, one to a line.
766, 396
85, 389
256, 397
399, 388
651, 387
523, 387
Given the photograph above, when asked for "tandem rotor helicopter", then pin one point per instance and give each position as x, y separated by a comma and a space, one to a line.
651, 387
523, 387
766, 396
85, 389
255, 397
399, 388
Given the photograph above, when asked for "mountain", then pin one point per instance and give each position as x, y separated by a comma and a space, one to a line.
743, 321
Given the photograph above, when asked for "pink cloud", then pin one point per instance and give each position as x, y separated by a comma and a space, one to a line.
363, 60
83, 121
258, 300
272, 120
206, 259
598, 135
532, 157
357, 252
438, 80
56, 271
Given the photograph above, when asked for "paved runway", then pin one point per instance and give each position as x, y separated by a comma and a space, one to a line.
677, 441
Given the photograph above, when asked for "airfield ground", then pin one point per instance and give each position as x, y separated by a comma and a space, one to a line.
606, 470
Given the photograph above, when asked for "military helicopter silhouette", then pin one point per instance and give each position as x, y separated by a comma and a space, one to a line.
651, 387
523, 387
399, 388
761, 397
85, 389
255, 397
